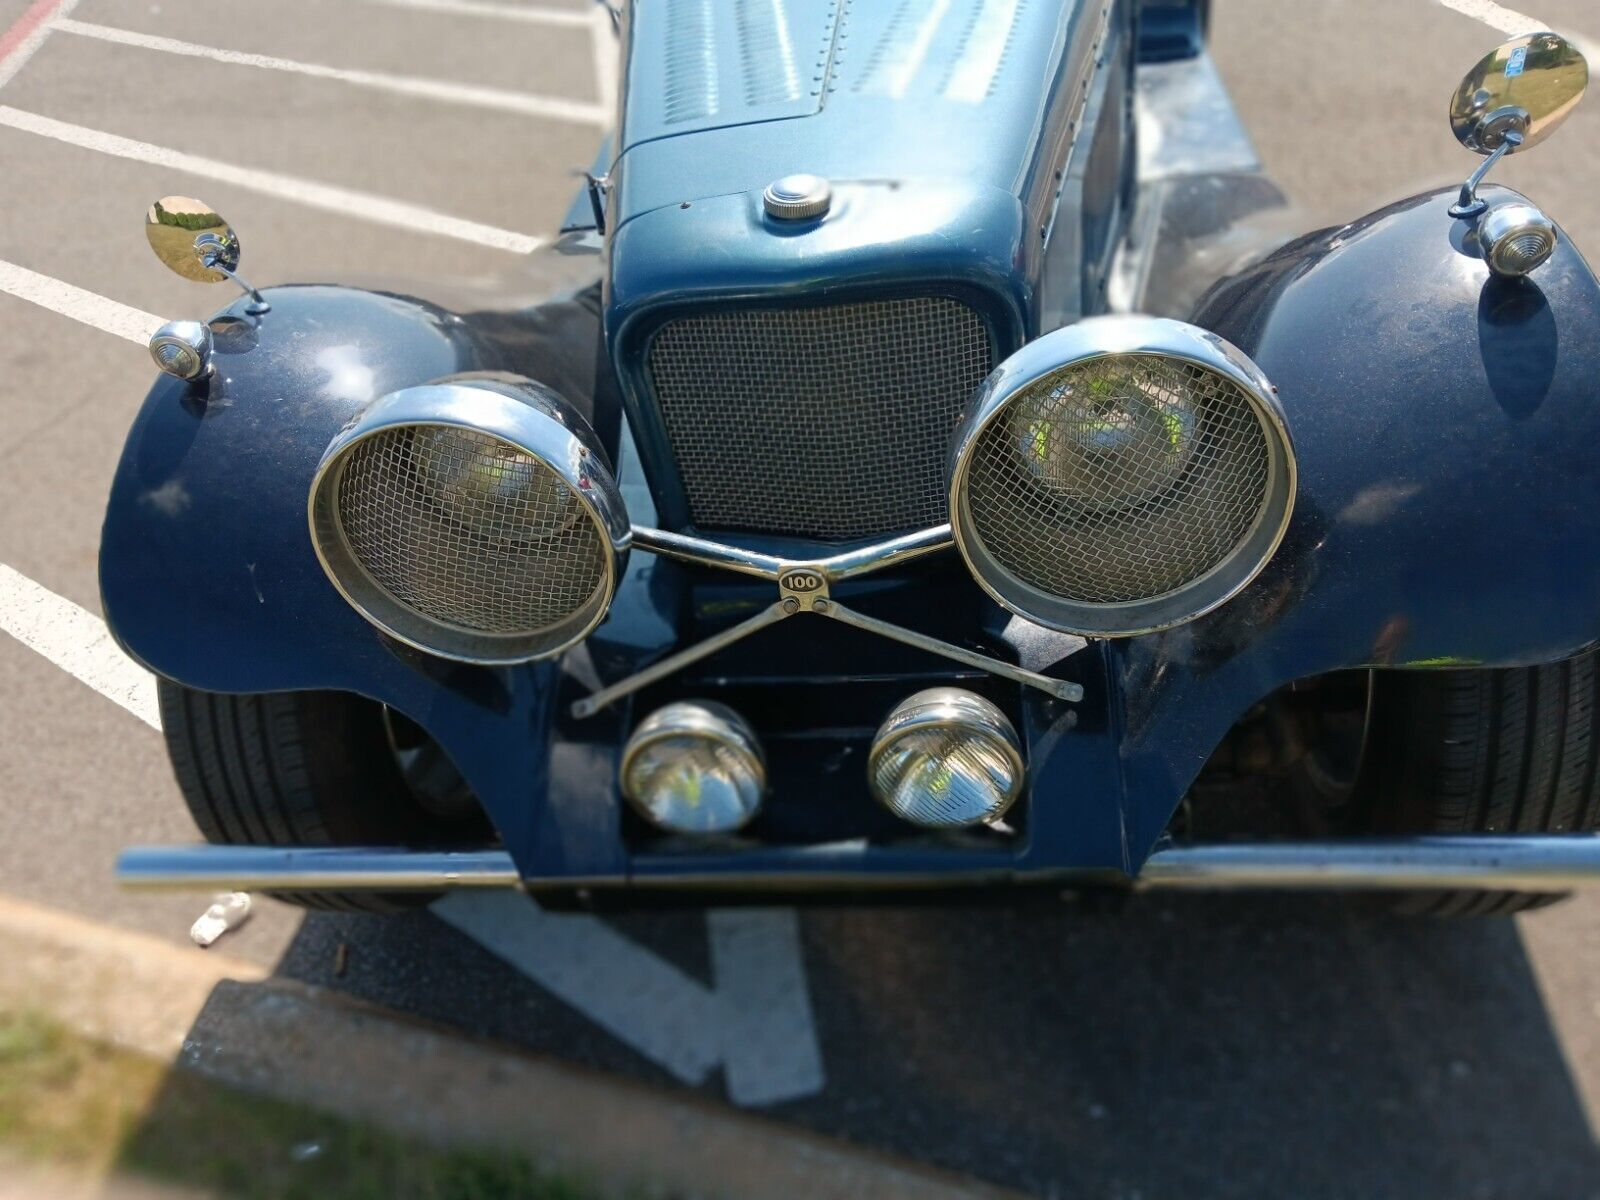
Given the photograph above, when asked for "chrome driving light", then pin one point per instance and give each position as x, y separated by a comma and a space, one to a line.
183, 349
694, 766
1516, 238
1121, 475
946, 758
476, 520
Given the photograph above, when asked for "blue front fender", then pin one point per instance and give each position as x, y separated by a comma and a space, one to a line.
207, 573
1446, 427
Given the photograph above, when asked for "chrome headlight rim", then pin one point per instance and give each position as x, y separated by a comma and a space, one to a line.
530, 418
1108, 337
950, 709
710, 720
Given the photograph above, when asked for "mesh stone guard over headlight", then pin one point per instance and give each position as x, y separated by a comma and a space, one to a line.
474, 519
1121, 475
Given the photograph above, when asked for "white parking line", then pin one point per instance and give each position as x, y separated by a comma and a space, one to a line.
1496, 16
76, 641
1514, 24
756, 1023
504, 12
22, 41
344, 201
603, 43
87, 307
522, 103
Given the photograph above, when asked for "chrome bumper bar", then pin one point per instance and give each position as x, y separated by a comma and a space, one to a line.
1533, 863
313, 868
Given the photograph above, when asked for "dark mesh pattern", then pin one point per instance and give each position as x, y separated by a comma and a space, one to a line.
468, 530
819, 422
1120, 479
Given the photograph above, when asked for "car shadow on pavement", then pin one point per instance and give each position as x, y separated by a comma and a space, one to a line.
1209, 1046
1206, 1046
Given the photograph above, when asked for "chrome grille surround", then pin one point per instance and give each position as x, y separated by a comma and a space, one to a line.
1121, 475
475, 520
826, 422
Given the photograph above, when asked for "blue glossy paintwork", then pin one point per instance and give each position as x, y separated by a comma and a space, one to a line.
206, 569
1172, 29
717, 103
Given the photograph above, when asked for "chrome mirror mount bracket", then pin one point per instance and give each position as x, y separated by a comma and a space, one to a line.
803, 587
1468, 203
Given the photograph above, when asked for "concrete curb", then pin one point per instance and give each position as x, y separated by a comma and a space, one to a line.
227, 1021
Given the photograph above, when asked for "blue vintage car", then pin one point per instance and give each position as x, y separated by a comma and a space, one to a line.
945, 484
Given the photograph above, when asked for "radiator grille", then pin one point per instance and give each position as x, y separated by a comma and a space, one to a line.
830, 423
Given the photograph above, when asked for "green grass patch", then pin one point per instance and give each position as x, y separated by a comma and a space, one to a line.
77, 1103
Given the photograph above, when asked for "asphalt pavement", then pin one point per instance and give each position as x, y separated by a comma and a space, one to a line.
1193, 1046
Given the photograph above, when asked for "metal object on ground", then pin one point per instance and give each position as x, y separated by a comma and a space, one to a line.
797, 197
694, 766
1516, 238
803, 587
1554, 862
191, 240
476, 520
1515, 97
183, 349
1121, 475
946, 758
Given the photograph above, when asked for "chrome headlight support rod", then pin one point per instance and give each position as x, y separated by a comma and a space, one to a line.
803, 587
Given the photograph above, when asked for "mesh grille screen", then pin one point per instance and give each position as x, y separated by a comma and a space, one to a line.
468, 530
1118, 480
822, 422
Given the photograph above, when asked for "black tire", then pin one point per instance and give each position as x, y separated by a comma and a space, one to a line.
1502, 751
300, 768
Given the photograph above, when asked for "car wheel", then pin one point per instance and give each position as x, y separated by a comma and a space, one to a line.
1482, 751
314, 769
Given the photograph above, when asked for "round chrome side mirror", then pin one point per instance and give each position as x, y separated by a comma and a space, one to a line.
1515, 98
1525, 87
191, 240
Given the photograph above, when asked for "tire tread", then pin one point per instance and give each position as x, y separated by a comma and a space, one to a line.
290, 768
1488, 751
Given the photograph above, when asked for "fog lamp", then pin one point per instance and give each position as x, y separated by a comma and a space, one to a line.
946, 758
694, 766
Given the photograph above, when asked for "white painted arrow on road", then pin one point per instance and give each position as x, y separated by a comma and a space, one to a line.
755, 1023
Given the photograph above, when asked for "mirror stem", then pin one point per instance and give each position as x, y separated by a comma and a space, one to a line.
258, 305
1468, 204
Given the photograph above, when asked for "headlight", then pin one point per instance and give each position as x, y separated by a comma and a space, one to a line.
1121, 475
694, 767
946, 758
475, 520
